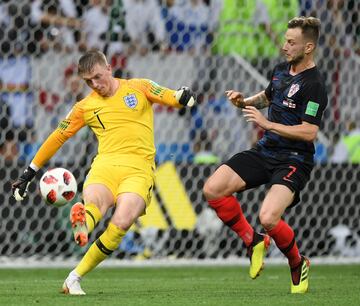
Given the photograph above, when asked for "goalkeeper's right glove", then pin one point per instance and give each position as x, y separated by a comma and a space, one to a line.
20, 186
185, 96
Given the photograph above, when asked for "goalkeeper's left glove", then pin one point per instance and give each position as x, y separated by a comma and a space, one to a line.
185, 96
20, 187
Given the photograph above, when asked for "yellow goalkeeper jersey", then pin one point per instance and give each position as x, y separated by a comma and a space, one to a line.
122, 123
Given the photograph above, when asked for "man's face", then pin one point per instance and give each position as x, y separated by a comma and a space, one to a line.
294, 46
99, 79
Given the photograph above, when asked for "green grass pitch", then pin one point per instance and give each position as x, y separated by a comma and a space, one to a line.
215, 285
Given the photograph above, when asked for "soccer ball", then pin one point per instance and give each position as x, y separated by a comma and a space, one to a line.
58, 186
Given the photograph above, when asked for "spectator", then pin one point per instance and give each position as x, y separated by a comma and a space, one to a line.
117, 31
4, 17
347, 148
15, 76
338, 46
27, 145
188, 25
15, 26
74, 88
261, 20
144, 25
8, 148
215, 7
95, 24
58, 21
5, 122
252, 29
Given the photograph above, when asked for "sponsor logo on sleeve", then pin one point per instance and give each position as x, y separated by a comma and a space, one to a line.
156, 89
154, 83
312, 108
63, 125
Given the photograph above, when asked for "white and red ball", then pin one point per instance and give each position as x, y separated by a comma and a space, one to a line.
58, 186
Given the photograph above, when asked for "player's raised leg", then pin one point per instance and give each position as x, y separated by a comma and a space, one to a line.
84, 218
218, 191
78, 223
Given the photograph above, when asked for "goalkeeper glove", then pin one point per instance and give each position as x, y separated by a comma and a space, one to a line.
185, 96
20, 187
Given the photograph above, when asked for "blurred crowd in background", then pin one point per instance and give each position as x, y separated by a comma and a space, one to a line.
40, 42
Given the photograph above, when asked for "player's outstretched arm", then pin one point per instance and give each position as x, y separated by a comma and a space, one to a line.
20, 186
185, 96
166, 96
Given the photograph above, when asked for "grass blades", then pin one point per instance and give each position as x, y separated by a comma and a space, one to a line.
215, 285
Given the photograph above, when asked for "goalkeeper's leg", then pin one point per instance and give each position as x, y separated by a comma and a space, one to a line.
84, 218
132, 206
99, 250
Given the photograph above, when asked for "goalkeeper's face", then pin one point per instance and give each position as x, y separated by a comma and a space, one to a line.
100, 80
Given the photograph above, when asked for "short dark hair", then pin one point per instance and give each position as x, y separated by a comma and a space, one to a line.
310, 27
89, 60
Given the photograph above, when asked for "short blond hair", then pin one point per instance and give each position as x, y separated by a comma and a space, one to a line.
309, 26
89, 60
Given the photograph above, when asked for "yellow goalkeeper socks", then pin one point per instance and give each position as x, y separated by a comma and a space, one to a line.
100, 249
93, 216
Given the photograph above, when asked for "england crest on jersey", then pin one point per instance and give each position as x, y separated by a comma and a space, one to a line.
130, 101
293, 90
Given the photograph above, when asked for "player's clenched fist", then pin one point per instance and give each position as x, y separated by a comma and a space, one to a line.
185, 96
236, 98
20, 186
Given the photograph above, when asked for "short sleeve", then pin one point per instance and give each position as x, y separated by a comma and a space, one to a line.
268, 90
316, 100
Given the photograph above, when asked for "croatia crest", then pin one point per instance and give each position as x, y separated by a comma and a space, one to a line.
293, 90
130, 101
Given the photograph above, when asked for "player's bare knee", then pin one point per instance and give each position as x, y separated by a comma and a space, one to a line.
124, 223
211, 191
124, 219
96, 201
268, 220
102, 202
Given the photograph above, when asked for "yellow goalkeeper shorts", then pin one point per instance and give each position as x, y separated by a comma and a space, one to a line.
120, 179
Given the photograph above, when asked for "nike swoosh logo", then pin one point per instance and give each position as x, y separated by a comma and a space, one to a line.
286, 179
95, 112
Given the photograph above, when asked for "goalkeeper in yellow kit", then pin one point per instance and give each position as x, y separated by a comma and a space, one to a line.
120, 114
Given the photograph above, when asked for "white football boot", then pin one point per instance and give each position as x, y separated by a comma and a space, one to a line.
72, 285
